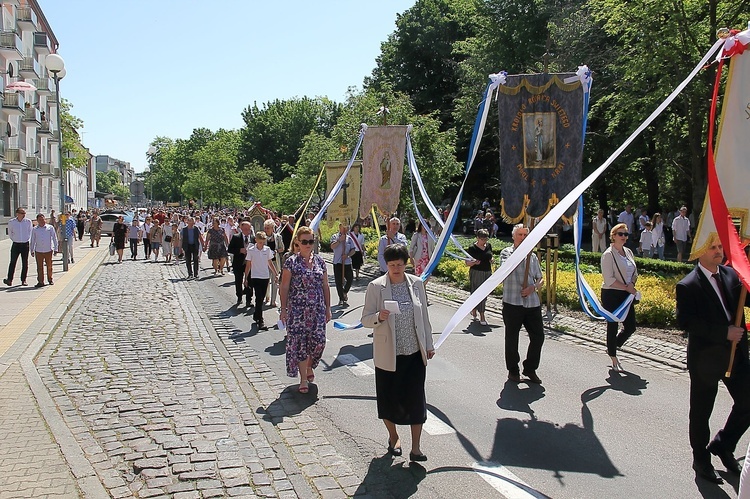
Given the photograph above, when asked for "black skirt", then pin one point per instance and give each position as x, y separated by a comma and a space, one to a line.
357, 260
400, 394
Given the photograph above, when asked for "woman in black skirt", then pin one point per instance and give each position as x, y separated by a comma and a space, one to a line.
402, 344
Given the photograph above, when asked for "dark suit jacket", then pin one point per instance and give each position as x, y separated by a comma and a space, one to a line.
184, 237
235, 245
700, 314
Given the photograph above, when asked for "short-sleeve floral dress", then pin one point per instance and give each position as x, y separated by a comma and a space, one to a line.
306, 316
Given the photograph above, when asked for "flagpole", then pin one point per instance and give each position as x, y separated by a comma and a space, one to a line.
737, 323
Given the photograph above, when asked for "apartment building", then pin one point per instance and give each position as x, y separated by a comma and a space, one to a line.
106, 163
30, 172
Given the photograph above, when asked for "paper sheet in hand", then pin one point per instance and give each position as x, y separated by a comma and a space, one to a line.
391, 306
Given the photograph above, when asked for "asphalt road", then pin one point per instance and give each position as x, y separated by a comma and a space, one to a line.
586, 433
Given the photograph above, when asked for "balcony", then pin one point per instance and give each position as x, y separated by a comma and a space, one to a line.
46, 130
11, 45
29, 67
43, 86
26, 18
13, 103
52, 99
41, 43
33, 163
31, 117
46, 169
2, 149
15, 157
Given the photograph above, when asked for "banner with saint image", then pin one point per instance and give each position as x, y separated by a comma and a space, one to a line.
383, 153
541, 144
345, 205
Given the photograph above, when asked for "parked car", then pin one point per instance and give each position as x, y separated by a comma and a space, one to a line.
109, 218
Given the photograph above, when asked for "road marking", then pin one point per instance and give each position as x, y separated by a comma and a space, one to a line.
356, 366
436, 426
504, 481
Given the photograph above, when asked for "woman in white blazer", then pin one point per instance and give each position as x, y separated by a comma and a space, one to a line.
402, 345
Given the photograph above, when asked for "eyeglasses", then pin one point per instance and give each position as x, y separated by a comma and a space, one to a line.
623, 234
306, 242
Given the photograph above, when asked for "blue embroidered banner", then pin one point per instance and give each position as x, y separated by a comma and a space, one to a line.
541, 145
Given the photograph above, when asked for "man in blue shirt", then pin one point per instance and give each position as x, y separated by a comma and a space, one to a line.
70, 233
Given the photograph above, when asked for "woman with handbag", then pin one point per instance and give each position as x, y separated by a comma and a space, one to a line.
119, 232
620, 275
156, 237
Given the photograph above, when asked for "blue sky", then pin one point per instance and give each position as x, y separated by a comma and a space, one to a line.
137, 69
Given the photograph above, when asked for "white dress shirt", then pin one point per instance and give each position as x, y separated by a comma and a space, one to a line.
43, 239
20, 232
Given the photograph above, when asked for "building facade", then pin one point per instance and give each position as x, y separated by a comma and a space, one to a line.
30, 173
107, 163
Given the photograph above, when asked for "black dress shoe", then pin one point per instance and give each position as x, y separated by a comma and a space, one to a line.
707, 472
727, 458
532, 377
7, 282
393, 451
239, 301
515, 377
417, 457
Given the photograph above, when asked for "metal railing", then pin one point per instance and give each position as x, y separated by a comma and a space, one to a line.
13, 99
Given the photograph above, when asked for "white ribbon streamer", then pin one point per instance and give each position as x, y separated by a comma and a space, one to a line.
541, 229
427, 201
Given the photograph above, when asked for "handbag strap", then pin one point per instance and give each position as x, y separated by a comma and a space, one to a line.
618, 266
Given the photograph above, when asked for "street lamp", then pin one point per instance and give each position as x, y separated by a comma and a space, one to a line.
56, 65
150, 153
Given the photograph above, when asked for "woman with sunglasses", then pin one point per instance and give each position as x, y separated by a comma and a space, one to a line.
620, 274
305, 309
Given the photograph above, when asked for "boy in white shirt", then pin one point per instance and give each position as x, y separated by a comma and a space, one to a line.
259, 269
646, 247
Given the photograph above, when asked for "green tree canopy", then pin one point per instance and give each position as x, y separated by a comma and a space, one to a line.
272, 135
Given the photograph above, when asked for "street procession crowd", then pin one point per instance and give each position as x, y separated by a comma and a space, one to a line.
280, 266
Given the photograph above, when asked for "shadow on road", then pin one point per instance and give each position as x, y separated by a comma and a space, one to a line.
516, 397
386, 478
361, 352
289, 403
528, 490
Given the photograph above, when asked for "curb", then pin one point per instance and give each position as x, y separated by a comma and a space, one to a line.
82, 470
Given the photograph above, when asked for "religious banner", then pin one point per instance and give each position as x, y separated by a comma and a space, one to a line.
731, 156
345, 205
541, 142
383, 153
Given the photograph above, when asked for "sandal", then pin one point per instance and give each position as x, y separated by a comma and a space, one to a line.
311, 378
303, 388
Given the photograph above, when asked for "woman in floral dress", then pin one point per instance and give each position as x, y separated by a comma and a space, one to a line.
305, 309
217, 246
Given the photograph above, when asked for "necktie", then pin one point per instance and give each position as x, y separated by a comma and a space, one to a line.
722, 292
246, 241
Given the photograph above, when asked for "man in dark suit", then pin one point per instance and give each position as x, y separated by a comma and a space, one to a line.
192, 242
238, 247
707, 300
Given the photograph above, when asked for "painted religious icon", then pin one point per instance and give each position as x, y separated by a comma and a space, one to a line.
539, 140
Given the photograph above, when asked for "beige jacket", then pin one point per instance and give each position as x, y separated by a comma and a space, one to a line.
384, 337
610, 271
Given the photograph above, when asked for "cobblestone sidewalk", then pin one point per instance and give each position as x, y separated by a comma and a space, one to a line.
161, 408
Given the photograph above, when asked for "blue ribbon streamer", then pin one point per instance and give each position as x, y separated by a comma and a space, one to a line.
586, 294
476, 138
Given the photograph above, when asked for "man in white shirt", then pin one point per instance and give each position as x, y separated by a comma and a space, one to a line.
343, 249
19, 230
43, 246
626, 217
392, 236
681, 232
